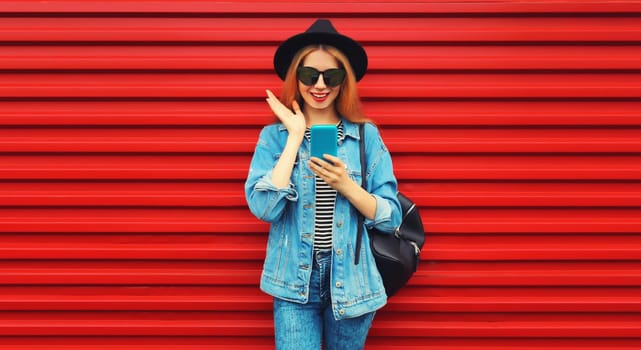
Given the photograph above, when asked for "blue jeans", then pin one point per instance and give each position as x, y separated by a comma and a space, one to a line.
306, 326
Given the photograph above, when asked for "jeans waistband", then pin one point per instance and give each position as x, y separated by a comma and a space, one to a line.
320, 255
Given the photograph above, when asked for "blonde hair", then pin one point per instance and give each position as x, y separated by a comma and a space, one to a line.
347, 104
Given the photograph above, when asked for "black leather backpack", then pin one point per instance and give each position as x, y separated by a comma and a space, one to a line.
397, 255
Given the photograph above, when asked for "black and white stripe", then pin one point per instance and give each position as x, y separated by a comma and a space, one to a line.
325, 203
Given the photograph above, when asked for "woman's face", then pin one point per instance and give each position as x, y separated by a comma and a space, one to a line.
319, 96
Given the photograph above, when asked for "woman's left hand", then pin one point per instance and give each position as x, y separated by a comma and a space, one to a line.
333, 171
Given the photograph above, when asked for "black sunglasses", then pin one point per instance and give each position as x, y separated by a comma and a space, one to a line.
332, 77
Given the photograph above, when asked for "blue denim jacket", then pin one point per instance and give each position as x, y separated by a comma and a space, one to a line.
355, 289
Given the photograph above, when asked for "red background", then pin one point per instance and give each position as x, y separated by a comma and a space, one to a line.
126, 129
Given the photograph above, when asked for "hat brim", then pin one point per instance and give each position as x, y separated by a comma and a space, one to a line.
287, 50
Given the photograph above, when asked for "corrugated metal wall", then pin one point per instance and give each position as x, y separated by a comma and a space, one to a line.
127, 129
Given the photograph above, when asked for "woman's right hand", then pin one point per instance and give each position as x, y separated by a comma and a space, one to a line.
294, 120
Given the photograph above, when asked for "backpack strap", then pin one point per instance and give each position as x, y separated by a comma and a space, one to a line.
359, 233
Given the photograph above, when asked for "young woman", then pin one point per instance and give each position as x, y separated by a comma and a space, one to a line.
313, 205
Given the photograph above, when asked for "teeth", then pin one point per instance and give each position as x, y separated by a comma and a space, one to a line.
319, 95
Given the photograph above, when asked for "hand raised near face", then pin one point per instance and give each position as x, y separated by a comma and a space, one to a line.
293, 120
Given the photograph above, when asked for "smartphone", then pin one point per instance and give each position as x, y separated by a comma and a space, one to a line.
324, 140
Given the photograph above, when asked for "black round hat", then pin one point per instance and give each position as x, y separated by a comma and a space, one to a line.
321, 32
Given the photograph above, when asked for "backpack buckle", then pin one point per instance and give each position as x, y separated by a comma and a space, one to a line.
417, 250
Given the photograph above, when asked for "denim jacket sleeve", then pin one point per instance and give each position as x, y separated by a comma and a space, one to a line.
266, 201
381, 182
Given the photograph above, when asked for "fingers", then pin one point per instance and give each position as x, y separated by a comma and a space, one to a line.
276, 106
274, 101
296, 107
335, 175
335, 166
321, 170
334, 160
316, 163
270, 97
271, 100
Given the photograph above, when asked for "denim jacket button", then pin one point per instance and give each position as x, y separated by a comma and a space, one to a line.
339, 251
339, 284
341, 311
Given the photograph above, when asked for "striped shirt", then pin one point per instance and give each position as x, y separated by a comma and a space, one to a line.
325, 201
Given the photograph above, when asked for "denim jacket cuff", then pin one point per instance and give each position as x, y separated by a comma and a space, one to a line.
383, 212
266, 184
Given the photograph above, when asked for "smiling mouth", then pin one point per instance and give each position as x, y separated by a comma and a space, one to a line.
318, 96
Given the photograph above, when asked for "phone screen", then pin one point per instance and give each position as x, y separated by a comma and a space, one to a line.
324, 140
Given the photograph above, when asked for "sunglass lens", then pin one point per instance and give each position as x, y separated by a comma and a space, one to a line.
308, 76
334, 77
